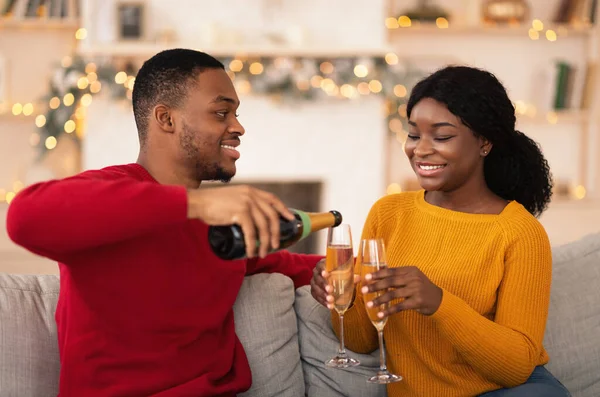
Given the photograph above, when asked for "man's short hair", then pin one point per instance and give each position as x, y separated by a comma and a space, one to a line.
165, 79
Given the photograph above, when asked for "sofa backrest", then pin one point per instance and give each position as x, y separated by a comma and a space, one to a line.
29, 364
573, 331
265, 323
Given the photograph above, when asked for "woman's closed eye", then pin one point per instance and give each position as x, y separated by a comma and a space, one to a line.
444, 138
439, 138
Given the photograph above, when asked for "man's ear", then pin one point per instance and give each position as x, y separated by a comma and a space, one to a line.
163, 116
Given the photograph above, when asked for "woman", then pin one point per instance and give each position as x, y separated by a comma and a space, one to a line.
466, 253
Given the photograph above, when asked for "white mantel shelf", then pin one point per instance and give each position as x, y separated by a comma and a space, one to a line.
146, 50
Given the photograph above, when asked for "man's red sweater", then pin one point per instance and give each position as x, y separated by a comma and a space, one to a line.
145, 307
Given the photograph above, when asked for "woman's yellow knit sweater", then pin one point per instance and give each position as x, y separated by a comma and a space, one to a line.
495, 272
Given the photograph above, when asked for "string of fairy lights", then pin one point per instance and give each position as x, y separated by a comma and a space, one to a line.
74, 84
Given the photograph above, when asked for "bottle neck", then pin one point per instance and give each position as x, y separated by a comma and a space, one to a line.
306, 222
314, 221
321, 220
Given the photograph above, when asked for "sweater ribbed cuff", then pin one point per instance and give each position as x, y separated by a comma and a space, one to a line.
449, 311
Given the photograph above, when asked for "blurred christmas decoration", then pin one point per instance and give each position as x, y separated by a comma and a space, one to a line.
70, 91
284, 79
505, 11
426, 12
292, 79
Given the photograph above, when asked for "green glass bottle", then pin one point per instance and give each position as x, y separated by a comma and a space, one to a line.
227, 242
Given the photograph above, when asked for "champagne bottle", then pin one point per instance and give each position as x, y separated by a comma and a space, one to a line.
227, 242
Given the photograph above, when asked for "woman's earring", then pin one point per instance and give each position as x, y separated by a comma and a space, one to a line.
485, 152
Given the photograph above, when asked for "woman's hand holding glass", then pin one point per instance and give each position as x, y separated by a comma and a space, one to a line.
408, 285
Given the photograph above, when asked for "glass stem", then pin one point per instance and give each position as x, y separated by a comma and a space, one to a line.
382, 366
342, 351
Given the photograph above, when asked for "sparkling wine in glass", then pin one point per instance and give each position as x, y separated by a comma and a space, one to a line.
372, 258
339, 263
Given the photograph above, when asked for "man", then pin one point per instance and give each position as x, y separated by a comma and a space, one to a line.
145, 307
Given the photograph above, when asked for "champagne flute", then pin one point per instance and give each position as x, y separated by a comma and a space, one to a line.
372, 259
339, 263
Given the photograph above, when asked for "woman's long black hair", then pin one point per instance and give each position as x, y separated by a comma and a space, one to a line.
515, 168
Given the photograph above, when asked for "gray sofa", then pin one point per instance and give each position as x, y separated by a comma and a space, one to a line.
288, 336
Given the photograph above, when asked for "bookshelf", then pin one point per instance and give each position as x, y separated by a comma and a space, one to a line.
34, 36
416, 28
555, 117
559, 40
31, 10
7, 23
27, 15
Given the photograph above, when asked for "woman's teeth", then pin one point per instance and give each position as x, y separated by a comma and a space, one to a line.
431, 167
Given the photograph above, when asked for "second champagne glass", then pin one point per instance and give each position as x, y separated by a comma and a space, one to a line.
372, 259
339, 263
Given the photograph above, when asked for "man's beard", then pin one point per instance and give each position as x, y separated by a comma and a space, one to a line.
204, 170
221, 175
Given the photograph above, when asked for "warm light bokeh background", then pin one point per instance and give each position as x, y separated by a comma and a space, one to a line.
344, 144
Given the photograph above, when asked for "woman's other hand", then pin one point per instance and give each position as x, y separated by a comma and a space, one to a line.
408, 284
319, 287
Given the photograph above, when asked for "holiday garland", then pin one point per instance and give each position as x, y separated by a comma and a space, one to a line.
71, 89
283, 78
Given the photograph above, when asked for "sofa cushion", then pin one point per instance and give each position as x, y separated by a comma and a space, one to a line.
29, 361
318, 343
573, 332
265, 323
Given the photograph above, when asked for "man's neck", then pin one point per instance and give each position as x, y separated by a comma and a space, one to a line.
166, 174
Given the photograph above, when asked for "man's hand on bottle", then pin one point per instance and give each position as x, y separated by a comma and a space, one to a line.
257, 212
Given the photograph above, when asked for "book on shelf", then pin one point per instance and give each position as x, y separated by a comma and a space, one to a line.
590, 82
565, 86
563, 89
29, 9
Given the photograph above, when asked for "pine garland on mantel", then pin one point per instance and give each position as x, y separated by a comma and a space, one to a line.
286, 79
